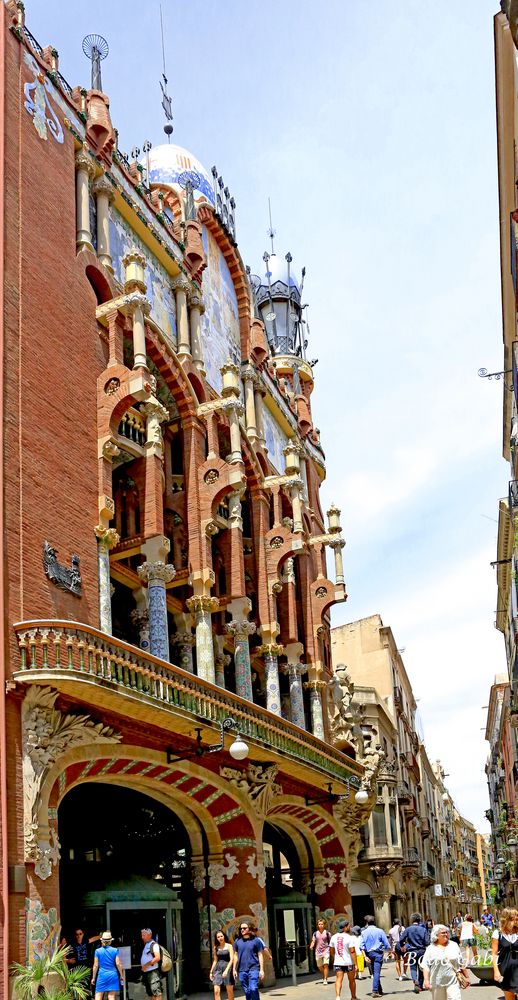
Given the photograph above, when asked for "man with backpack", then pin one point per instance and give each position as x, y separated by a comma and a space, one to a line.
320, 942
150, 963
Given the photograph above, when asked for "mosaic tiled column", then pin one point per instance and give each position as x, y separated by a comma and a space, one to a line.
295, 671
183, 643
241, 629
157, 575
140, 620
221, 660
317, 715
271, 651
202, 608
106, 538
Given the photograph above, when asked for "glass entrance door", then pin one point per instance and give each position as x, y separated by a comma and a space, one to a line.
126, 921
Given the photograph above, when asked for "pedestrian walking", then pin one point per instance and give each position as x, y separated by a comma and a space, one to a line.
107, 972
360, 954
487, 919
248, 961
504, 947
374, 943
468, 933
150, 964
320, 943
394, 936
415, 939
441, 962
342, 949
221, 971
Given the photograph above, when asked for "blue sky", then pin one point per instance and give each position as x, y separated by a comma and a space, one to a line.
372, 129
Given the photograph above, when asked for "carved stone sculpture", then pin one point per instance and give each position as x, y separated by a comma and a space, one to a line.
65, 577
258, 783
46, 735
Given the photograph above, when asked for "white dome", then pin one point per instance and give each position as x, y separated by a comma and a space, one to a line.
278, 268
173, 166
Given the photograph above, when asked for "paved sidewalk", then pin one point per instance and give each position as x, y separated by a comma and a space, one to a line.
311, 988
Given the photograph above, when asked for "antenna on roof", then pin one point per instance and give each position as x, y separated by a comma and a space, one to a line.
271, 231
166, 100
95, 47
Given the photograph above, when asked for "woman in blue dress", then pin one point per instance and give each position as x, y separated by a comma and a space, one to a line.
107, 973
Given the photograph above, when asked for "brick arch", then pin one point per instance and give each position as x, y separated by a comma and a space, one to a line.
237, 272
101, 280
204, 798
321, 829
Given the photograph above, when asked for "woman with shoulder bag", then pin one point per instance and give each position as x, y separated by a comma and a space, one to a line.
504, 947
443, 971
221, 969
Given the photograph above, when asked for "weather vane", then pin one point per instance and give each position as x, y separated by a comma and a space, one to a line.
95, 47
271, 230
166, 100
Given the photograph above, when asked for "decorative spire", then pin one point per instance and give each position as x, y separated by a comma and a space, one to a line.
95, 48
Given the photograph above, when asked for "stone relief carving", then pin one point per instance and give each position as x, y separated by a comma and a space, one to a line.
344, 717
47, 854
323, 881
372, 760
47, 734
65, 577
218, 872
256, 870
258, 783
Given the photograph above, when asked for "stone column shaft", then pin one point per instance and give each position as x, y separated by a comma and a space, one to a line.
84, 170
202, 608
297, 509
106, 538
249, 380
103, 191
182, 318
157, 574
235, 435
259, 422
197, 308
241, 630
339, 564
139, 338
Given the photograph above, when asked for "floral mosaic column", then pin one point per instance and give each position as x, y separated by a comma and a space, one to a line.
202, 608
157, 575
295, 671
106, 538
183, 643
140, 620
317, 715
271, 651
241, 629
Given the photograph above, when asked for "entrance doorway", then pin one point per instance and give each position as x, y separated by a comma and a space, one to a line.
125, 865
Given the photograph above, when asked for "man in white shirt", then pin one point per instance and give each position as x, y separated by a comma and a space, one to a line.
342, 947
150, 965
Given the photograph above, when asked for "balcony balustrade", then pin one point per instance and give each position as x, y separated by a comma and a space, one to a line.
427, 872
94, 667
411, 858
381, 852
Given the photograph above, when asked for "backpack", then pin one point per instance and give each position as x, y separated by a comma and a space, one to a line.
165, 962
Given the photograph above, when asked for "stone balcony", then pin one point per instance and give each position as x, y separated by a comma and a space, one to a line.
381, 852
106, 673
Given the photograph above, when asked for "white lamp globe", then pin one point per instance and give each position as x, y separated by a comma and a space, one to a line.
361, 797
239, 749
512, 841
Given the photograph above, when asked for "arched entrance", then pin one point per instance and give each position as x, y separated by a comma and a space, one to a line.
126, 864
290, 910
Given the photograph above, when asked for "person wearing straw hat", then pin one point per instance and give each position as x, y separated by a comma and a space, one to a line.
107, 973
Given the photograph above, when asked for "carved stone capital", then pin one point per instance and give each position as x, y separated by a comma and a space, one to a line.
134, 256
241, 629
294, 668
84, 162
182, 639
181, 284
103, 186
196, 302
136, 300
337, 543
156, 572
249, 374
106, 536
155, 410
315, 685
110, 449
202, 604
140, 619
270, 649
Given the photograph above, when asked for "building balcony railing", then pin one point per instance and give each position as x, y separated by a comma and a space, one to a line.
412, 764
74, 658
427, 872
381, 852
411, 858
425, 827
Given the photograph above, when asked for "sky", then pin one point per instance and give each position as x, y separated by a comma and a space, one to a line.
371, 127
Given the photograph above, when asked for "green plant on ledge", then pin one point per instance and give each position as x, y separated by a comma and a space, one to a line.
50, 978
